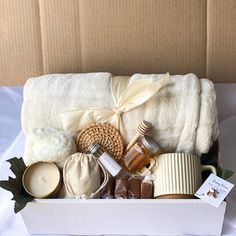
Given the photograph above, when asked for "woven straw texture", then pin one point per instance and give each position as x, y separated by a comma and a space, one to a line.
104, 134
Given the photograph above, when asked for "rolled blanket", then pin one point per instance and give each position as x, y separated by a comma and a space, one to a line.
182, 109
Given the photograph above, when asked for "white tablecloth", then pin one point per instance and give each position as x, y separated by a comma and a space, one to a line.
10, 103
10, 108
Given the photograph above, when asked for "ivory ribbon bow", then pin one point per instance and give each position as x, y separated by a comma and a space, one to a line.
136, 93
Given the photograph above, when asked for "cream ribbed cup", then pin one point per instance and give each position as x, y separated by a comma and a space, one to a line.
178, 175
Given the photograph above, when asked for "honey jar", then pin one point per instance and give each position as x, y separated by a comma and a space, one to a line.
141, 153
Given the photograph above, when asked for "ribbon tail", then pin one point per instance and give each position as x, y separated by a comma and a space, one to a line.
74, 121
122, 128
140, 92
117, 121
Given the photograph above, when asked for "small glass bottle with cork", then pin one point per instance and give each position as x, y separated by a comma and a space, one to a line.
105, 159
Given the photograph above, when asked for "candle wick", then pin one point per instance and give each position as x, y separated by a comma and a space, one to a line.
41, 178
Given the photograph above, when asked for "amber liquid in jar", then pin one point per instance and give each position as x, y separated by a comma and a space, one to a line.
140, 154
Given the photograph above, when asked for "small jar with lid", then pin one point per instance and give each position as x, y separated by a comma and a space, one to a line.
141, 153
105, 159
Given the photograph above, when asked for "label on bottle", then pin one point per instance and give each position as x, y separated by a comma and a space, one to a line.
112, 167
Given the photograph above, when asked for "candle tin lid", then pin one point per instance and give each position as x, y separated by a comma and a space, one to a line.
42, 180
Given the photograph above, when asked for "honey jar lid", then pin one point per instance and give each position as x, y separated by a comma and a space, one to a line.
150, 144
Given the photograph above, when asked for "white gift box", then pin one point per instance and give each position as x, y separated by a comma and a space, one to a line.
116, 216
123, 216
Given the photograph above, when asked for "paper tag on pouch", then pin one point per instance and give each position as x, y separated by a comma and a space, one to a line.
112, 167
214, 190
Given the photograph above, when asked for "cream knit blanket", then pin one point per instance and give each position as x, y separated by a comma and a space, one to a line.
181, 108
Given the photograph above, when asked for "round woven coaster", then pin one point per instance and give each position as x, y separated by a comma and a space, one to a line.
104, 134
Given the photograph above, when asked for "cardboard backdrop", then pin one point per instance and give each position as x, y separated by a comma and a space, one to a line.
118, 36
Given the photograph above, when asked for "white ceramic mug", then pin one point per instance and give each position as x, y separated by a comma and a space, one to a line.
178, 175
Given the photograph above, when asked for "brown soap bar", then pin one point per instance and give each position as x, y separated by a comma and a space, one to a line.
121, 187
108, 191
147, 189
134, 187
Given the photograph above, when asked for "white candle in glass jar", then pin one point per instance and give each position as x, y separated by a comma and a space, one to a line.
42, 179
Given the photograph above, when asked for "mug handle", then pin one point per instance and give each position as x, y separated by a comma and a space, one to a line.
209, 167
147, 171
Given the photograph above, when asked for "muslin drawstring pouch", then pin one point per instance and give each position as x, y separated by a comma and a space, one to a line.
82, 176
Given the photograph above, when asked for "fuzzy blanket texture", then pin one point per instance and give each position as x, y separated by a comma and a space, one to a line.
181, 108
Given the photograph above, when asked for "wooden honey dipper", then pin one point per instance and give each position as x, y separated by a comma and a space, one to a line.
142, 129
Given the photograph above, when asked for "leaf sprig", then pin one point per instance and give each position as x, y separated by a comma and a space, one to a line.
211, 158
224, 173
15, 186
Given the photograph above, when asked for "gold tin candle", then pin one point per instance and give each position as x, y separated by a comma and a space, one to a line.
42, 180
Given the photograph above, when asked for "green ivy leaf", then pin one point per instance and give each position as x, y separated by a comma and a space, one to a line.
11, 185
21, 202
224, 173
17, 167
211, 157
15, 186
